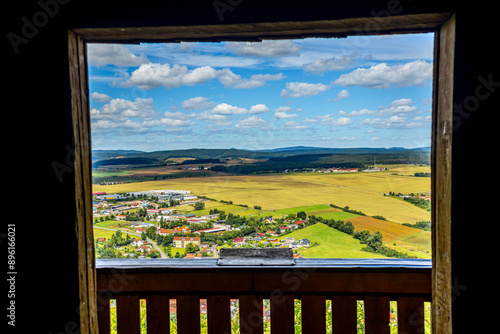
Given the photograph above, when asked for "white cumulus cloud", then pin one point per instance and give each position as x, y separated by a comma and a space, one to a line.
415, 73
396, 107
251, 122
227, 109
113, 54
120, 108
99, 97
329, 120
266, 48
330, 64
258, 109
197, 103
292, 125
282, 114
174, 123
232, 80
300, 89
151, 76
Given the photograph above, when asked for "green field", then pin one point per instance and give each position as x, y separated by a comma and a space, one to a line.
179, 250
332, 243
100, 233
124, 226
418, 244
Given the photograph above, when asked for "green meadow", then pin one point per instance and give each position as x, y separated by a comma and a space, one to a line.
332, 243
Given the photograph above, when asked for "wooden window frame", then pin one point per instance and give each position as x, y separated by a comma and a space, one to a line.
442, 24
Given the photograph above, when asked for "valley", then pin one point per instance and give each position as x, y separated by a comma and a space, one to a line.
371, 198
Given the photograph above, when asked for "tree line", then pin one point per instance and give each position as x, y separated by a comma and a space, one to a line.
373, 241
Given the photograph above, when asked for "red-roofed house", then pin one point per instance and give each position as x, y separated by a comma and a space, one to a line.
164, 231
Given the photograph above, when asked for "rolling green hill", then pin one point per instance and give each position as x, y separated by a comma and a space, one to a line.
285, 158
332, 243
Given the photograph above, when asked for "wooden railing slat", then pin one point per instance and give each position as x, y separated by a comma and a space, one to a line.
219, 314
356, 283
313, 314
103, 314
188, 314
344, 315
158, 314
411, 315
251, 314
377, 315
282, 314
128, 316
376, 286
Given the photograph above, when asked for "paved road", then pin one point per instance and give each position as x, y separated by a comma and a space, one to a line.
155, 246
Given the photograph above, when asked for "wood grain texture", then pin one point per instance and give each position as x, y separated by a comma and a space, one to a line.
219, 314
251, 314
158, 314
344, 314
411, 315
128, 316
83, 182
282, 313
262, 30
188, 314
441, 177
377, 315
354, 282
313, 314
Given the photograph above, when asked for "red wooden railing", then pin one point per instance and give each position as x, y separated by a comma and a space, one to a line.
312, 281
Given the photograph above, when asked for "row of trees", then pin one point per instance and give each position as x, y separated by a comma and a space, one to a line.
422, 225
374, 244
420, 202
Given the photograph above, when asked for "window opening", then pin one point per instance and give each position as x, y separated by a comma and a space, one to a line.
319, 145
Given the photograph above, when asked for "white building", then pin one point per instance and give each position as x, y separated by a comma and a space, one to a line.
166, 194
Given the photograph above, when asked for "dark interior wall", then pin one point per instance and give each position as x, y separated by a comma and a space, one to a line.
40, 147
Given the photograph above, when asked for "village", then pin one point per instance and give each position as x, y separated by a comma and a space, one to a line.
154, 224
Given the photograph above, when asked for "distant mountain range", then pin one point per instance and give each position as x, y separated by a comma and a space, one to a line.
285, 157
343, 150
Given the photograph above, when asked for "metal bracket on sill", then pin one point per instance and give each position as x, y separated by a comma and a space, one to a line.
256, 257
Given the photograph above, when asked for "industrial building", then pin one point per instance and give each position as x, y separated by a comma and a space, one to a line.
110, 197
165, 195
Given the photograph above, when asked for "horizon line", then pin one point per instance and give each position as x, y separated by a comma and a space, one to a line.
263, 149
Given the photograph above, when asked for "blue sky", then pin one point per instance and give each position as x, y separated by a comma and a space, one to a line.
352, 92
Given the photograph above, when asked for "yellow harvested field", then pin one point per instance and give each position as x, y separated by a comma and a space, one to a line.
360, 191
380, 182
418, 244
391, 231
407, 170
